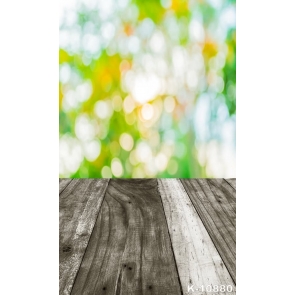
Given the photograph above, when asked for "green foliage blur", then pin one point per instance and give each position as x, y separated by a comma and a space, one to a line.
147, 88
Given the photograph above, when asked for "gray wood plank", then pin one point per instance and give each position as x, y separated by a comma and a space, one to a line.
79, 205
198, 261
231, 181
129, 252
225, 196
63, 183
216, 208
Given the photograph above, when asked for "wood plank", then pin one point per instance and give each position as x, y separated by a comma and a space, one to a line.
216, 209
231, 181
63, 183
79, 204
225, 195
198, 261
129, 251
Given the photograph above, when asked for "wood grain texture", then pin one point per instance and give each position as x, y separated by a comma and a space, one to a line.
63, 183
129, 252
79, 205
231, 181
198, 261
214, 200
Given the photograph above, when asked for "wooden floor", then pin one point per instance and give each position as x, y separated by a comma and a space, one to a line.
147, 236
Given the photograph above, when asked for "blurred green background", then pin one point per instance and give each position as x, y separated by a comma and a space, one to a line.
147, 88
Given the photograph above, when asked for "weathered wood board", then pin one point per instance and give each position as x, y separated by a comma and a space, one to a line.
129, 252
198, 262
79, 204
231, 181
214, 201
63, 183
